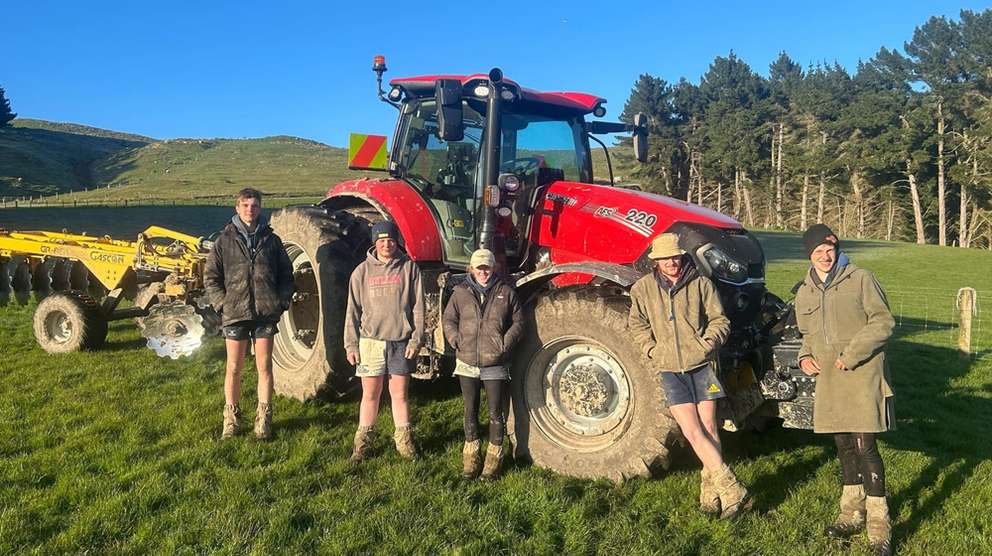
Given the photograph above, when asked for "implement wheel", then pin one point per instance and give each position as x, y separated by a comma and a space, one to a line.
323, 247
66, 322
585, 403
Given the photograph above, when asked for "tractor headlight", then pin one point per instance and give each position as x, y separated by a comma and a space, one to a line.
725, 268
509, 182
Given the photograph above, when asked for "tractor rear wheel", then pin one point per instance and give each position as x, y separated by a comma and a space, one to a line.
585, 403
66, 322
308, 352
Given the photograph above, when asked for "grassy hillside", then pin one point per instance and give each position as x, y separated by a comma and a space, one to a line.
44, 158
192, 169
96, 165
116, 451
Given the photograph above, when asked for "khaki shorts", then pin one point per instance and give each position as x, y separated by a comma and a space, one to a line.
379, 357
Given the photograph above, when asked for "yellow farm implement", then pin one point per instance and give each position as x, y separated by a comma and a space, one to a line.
80, 280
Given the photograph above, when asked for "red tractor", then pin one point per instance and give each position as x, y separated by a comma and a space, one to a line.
479, 160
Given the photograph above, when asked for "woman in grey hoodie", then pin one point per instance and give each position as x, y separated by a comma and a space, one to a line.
383, 332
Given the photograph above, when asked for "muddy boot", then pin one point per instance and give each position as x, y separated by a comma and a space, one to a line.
232, 413
879, 526
852, 513
363, 440
494, 462
263, 421
471, 459
734, 498
404, 442
709, 500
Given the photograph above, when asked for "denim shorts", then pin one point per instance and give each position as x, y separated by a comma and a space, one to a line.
250, 329
693, 386
379, 357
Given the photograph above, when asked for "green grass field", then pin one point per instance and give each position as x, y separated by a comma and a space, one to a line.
117, 451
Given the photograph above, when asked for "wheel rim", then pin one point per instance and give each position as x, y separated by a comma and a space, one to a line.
579, 394
58, 327
300, 324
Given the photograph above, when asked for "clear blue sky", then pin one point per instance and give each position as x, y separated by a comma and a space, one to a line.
215, 68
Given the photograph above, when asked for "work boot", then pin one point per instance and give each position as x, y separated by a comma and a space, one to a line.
363, 440
263, 421
879, 526
709, 500
404, 442
494, 461
471, 459
852, 513
734, 498
232, 413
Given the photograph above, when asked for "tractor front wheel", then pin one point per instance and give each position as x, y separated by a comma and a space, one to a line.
585, 404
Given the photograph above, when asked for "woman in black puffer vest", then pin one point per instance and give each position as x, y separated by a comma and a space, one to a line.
483, 321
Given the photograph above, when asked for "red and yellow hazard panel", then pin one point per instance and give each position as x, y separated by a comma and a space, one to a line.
366, 152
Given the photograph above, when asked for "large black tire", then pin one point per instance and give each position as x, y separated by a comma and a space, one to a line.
70, 321
585, 403
308, 352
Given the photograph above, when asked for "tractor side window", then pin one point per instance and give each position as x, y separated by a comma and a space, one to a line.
446, 173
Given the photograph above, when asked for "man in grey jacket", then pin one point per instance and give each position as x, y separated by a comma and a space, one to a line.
383, 332
249, 280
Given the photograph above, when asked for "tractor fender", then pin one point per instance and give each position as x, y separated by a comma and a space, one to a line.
401, 203
623, 276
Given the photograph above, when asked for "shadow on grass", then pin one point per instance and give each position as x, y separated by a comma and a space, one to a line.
951, 428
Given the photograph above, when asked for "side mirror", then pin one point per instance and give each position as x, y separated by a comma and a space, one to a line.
641, 137
448, 93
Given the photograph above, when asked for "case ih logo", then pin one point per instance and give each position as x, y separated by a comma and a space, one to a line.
563, 199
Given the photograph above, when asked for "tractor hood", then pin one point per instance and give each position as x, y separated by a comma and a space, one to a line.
581, 221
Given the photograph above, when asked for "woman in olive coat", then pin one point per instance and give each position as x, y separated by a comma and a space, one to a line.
845, 321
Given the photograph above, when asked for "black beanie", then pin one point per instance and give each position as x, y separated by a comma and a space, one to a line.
385, 229
818, 234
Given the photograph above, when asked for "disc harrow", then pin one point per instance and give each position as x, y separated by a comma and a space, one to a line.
90, 276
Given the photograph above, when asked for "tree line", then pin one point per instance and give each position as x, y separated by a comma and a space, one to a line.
6, 114
900, 150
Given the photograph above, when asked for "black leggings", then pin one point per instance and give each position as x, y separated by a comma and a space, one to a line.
860, 462
496, 396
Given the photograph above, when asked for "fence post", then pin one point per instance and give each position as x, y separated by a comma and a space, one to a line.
967, 308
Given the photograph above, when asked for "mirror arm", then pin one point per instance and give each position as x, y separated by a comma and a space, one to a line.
609, 164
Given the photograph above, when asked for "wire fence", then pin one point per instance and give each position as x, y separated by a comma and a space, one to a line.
944, 317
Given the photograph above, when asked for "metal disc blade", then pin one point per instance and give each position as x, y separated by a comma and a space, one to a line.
60, 275
5, 289
79, 276
21, 282
41, 279
173, 329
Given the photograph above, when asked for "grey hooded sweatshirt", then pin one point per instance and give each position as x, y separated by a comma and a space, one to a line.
385, 302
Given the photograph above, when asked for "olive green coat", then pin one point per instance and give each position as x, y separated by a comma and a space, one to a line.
850, 321
672, 328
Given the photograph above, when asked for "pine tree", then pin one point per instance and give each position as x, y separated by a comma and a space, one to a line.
5, 113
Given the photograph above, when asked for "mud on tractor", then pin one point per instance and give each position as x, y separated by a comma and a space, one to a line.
480, 161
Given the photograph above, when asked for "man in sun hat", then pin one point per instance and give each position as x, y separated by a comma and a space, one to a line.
677, 318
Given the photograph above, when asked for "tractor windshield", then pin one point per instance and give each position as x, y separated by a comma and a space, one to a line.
449, 174
532, 141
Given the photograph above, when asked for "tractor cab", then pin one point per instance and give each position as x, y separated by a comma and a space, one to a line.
479, 148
